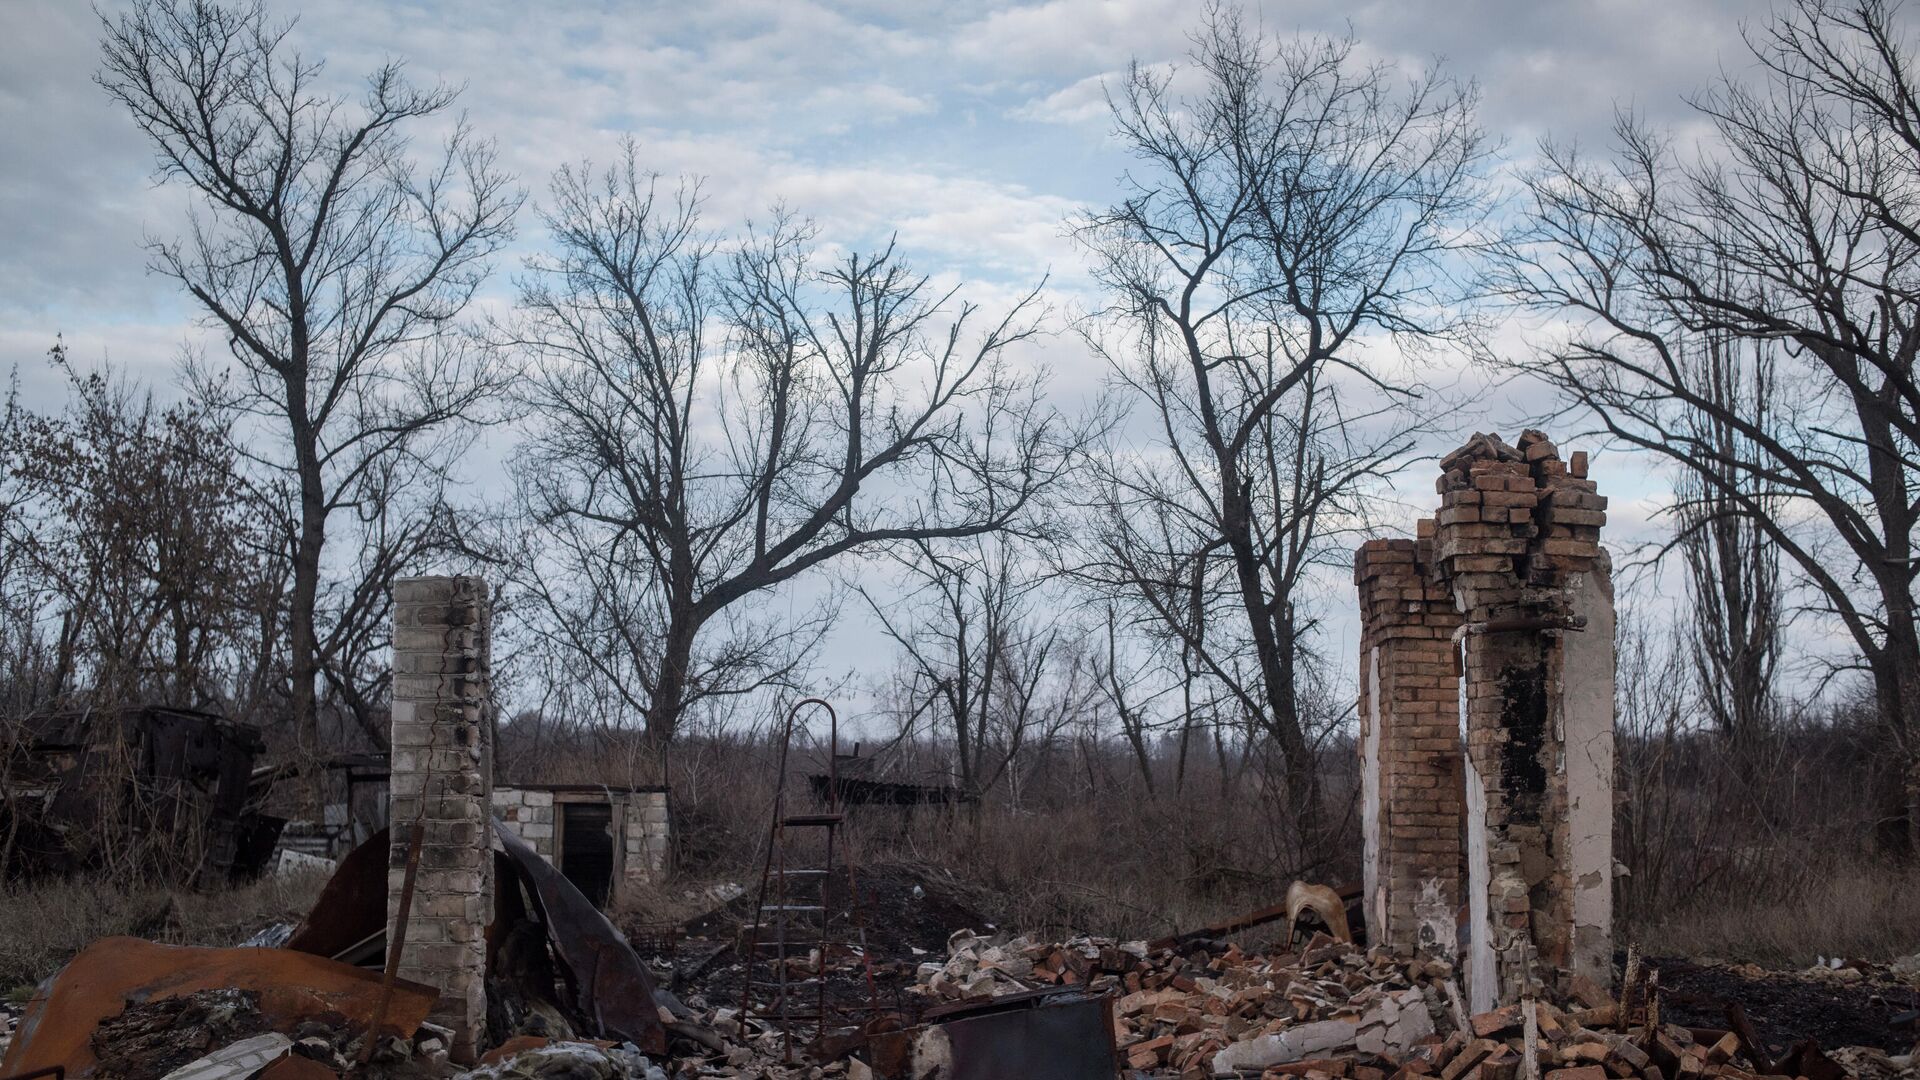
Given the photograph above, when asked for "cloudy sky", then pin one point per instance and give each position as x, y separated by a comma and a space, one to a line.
969, 129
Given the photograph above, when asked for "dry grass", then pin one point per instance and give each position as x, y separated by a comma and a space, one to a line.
1083, 849
1869, 911
46, 923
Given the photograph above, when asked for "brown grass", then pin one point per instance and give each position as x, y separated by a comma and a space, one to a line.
1866, 910
44, 924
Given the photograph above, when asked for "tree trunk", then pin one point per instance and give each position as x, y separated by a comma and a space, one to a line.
1896, 677
302, 632
1276, 666
668, 699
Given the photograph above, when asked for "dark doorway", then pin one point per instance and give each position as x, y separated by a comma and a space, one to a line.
586, 848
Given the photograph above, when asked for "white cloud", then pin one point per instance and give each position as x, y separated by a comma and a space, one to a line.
1084, 101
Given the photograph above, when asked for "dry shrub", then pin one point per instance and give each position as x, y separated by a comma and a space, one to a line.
1071, 846
1777, 846
1142, 871
47, 922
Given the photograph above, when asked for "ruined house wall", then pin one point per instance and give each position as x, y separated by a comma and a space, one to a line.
1588, 675
1492, 630
648, 836
441, 778
1410, 746
527, 814
1518, 538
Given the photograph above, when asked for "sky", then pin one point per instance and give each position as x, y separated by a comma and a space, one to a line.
971, 130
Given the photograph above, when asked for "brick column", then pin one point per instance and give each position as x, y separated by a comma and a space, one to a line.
442, 777
1517, 541
1409, 746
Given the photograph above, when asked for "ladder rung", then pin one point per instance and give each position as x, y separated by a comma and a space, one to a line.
813, 819
796, 873
792, 907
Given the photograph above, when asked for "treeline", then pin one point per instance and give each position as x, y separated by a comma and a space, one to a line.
718, 439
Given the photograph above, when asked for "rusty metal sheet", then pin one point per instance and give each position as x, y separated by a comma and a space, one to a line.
1049, 1035
352, 906
609, 984
293, 987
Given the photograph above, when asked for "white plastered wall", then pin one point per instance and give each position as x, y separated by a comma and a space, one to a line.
1373, 878
1587, 712
1483, 980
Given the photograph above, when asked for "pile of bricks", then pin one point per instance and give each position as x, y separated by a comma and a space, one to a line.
1335, 1010
1177, 1010
1605, 1040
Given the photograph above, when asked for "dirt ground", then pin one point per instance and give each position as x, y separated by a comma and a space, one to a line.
1786, 1008
909, 912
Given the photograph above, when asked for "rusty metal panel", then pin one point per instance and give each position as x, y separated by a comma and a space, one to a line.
293, 987
352, 907
1047, 1035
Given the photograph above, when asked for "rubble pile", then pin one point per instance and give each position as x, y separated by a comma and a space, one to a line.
1194, 1009
157, 1037
1335, 1010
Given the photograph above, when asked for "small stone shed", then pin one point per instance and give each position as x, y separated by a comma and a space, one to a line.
604, 839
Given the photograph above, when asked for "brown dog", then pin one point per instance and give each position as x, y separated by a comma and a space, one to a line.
1320, 900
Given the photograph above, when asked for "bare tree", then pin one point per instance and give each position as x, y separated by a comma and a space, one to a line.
709, 425
1303, 209
1732, 567
1120, 687
1796, 230
333, 267
977, 654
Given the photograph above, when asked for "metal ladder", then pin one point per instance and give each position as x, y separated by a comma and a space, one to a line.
794, 913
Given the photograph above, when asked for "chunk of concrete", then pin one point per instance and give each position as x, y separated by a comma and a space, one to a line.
1392, 1026
236, 1061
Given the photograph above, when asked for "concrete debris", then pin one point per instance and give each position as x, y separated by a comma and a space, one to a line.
1316, 1040
293, 863
570, 1061
1868, 1063
236, 1061
271, 937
